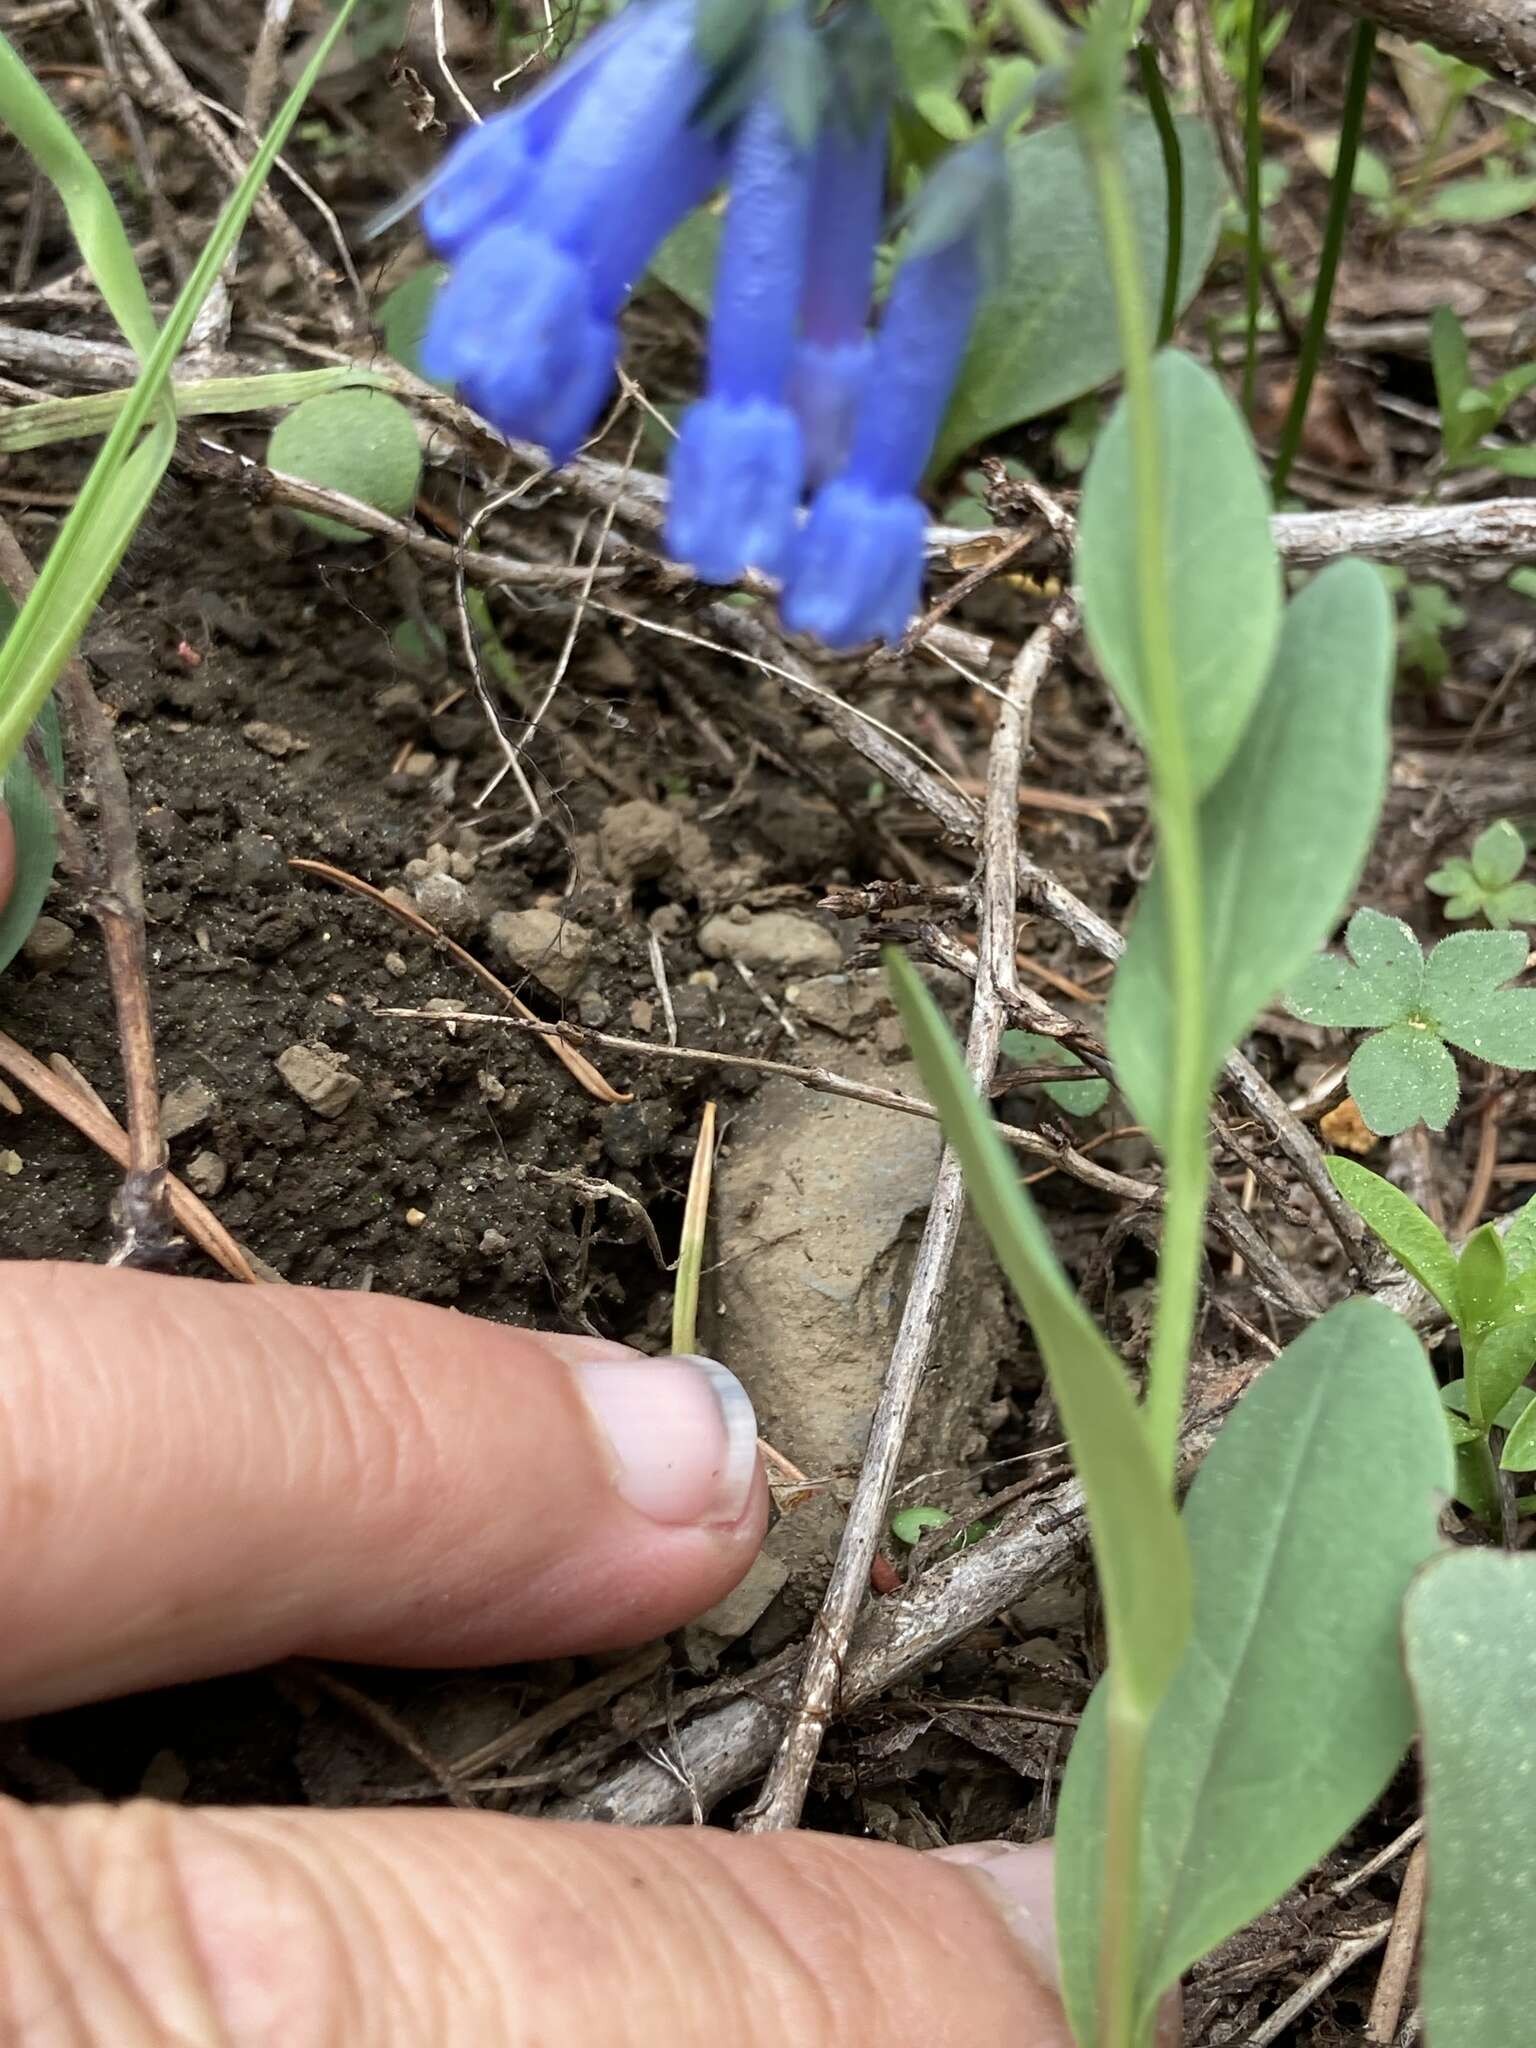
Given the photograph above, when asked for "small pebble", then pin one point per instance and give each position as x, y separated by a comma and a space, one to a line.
185, 1107
10, 1162
316, 1076
394, 963
415, 1218
206, 1175
275, 740
47, 945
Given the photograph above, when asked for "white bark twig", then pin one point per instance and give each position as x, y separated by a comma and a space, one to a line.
783, 1795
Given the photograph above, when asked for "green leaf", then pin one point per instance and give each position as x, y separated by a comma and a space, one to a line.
1514, 904
1283, 834
1403, 1076
1482, 1280
1383, 986
1139, 1548
1048, 333
1470, 1633
360, 442
1498, 854
1462, 996
1520, 1241
1451, 360
910, 1525
1077, 1098
31, 817
685, 263
53, 146
1223, 574
1414, 1239
1457, 881
1498, 1367
932, 40
1327, 1476
1520, 1447
402, 314
1477, 201
1454, 1396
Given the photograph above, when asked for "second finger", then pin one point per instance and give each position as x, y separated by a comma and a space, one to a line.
196, 1477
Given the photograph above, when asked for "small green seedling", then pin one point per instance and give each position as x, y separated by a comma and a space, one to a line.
1428, 613
360, 442
1415, 1010
1078, 1098
1489, 1292
1470, 413
911, 1525
1486, 883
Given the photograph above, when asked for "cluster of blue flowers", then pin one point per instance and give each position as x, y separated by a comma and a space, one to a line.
804, 456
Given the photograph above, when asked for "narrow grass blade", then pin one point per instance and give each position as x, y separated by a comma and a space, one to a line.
1139, 1546
690, 1257
77, 419
124, 477
43, 132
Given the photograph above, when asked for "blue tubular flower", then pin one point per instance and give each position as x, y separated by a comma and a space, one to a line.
847, 209
858, 566
488, 169
526, 324
738, 469
834, 353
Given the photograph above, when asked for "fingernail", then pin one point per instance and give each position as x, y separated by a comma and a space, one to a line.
1016, 1877
682, 1434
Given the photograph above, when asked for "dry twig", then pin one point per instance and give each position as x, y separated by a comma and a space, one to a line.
783, 1795
113, 892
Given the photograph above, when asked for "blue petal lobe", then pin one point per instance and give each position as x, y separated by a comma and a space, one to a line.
738, 470
857, 569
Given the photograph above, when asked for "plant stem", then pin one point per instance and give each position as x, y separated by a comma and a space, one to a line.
1173, 173
1124, 1794
1175, 806
1361, 55
1253, 198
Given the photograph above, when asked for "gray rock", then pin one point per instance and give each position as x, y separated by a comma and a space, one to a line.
447, 904
186, 1108
316, 1075
47, 945
820, 1204
207, 1174
773, 941
639, 840
545, 944
731, 1618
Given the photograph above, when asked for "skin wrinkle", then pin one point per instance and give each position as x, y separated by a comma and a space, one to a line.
51, 1934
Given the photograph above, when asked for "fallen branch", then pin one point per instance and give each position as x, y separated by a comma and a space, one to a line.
1495, 35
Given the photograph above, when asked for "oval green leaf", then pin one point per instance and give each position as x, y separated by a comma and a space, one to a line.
1284, 834
358, 441
1223, 572
1290, 1711
1048, 333
1470, 1631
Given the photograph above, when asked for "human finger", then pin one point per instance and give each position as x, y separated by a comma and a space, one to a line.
258, 1929
196, 1477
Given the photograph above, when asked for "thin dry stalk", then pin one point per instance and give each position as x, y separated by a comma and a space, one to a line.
564, 1052
690, 1256
114, 895
1402, 1946
783, 1796
103, 1130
